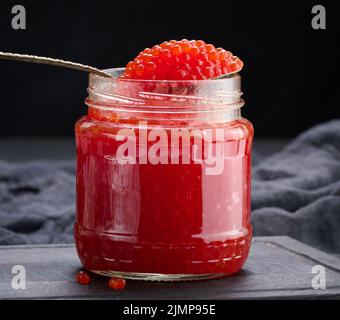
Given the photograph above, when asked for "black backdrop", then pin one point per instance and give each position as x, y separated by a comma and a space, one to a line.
290, 80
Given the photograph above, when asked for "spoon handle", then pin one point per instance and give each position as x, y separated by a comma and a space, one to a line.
52, 62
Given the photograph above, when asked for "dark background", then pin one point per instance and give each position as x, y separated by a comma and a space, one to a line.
290, 79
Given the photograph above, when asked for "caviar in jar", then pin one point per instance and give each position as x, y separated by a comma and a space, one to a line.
163, 178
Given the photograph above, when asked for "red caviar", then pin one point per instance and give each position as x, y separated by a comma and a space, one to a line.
182, 60
117, 283
162, 219
166, 218
83, 277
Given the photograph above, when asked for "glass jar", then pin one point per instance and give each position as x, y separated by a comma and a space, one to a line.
163, 179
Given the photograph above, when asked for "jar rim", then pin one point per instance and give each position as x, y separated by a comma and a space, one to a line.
166, 97
116, 72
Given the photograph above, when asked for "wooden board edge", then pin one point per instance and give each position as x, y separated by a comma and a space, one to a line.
302, 249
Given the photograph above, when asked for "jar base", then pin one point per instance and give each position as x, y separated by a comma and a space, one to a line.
160, 277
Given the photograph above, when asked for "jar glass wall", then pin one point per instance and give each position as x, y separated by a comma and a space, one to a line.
163, 179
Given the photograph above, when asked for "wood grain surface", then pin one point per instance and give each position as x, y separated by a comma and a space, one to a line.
278, 267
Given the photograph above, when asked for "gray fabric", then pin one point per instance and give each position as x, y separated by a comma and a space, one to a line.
37, 202
295, 192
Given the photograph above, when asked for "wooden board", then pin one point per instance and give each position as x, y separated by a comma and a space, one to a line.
278, 267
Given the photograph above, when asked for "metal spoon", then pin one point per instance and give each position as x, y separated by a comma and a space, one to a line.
52, 62
227, 75
74, 65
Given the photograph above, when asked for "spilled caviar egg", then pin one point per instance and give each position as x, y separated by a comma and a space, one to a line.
83, 277
117, 283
